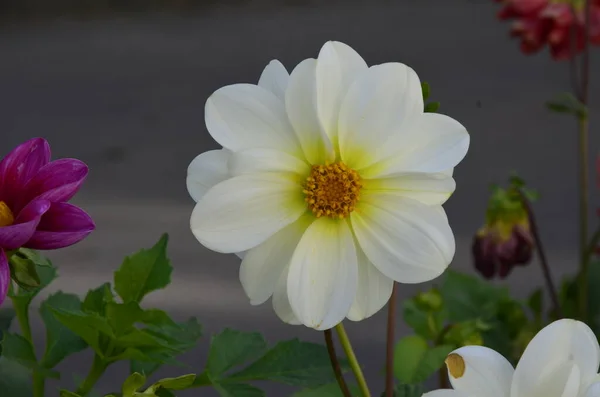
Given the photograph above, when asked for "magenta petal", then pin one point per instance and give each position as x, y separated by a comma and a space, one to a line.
57, 181
17, 234
4, 276
20, 165
63, 225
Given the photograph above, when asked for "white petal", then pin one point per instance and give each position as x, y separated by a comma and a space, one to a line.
436, 143
551, 355
281, 302
241, 255
242, 212
428, 188
486, 372
406, 240
262, 266
338, 66
243, 116
323, 274
301, 106
446, 393
383, 100
593, 390
275, 78
266, 160
374, 289
205, 171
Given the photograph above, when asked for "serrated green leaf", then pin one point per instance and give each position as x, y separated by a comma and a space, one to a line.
144, 272
96, 299
425, 89
60, 340
122, 316
24, 271
238, 390
232, 348
291, 362
415, 361
328, 390
66, 393
132, 384
88, 326
432, 107
180, 383
16, 348
15, 379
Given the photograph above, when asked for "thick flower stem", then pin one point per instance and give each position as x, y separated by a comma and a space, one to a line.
542, 255
335, 364
96, 372
345, 342
390, 337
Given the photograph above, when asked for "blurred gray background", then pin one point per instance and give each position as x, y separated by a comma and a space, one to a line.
125, 93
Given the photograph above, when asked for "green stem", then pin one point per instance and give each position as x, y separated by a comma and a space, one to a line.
335, 364
345, 342
39, 384
97, 370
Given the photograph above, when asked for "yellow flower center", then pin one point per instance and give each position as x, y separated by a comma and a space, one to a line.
6, 216
332, 190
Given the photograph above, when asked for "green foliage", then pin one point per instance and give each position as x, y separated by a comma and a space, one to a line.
290, 362
430, 107
144, 272
15, 379
415, 361
6, 317
407, 390
328, 390
567, 103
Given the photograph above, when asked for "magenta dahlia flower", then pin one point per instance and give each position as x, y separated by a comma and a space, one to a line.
34, 212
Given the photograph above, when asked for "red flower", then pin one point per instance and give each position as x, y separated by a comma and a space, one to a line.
556, 23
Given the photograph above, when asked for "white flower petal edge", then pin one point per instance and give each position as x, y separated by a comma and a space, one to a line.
263, 265
338, 66
244, 116
446, 393
205, 171
406, 240
275, 78
266, 160
550, 358
301, 106
428, 188
479, 371
322, 282
379, 104
593, 390
374, 289
243, 211
281, 302
434, 143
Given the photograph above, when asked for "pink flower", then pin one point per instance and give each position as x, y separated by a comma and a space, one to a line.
34, 212
541, 22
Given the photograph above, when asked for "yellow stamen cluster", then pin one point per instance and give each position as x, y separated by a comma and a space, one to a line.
6, 216
332, 190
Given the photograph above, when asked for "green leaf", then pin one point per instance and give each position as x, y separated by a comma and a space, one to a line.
122, 316
66, 393
232, 348
238, 390
144, 367
60, 341
144, 272
179, 383
535, 302
567, 103
16, 348
415, 361
96, 299
291, 362
466, 297
15, 379
425, 89
328, 390
35, 257
88, 326
432, 107
408, 390
132, 384
23, 271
